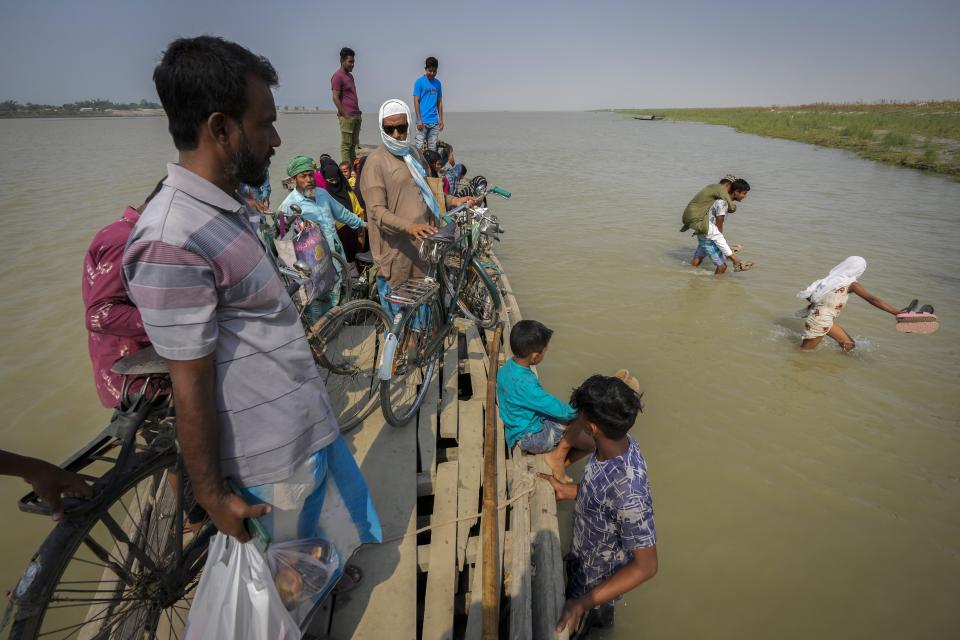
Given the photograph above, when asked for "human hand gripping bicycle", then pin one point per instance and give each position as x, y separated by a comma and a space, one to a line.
124, 563
425, 308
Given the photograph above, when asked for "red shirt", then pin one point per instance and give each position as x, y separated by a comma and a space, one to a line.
343, 82
114, 327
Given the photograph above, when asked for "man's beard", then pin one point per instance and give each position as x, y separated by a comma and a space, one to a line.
245, 167
308, 192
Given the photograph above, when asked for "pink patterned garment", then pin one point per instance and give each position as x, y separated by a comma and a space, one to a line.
114, 327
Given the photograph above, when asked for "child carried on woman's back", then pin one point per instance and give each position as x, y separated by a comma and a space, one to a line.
539, 421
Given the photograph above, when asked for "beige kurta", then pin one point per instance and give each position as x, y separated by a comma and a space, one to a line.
393, 205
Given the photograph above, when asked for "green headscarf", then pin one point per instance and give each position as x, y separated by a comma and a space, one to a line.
299, 164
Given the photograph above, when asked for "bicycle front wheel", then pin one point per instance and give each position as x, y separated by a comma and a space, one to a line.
348, 349
419, 345
477, 298
124, 570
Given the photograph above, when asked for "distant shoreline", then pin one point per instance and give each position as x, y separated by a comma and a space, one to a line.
116, 113
128, 113
918, 135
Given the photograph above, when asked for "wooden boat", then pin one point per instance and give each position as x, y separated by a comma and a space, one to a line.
648, 117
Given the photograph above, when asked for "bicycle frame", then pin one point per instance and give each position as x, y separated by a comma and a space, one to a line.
465, 245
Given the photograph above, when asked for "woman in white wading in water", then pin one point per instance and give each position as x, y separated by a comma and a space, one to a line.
828, 296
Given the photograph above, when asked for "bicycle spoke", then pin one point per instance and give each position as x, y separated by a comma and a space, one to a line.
120, 618
126, 619
77, 627
173, 612
130, 518
109, 562
117, 531
97, 582
147, 514
143, 517
86, 602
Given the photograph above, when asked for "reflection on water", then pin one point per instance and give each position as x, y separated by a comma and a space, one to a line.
797, 495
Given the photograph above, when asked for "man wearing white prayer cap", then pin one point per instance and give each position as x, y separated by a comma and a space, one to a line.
401, 208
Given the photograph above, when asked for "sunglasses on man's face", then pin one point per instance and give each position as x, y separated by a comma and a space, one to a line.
399, 128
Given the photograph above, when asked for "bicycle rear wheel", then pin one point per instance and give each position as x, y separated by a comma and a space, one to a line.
478, 298
348, 349
117, 571
418, 351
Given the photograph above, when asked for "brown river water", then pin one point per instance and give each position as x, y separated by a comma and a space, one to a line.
796, 495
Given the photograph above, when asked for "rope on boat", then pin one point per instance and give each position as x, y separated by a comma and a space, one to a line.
527, 483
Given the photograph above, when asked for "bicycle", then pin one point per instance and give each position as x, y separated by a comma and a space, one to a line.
121, 564
478, 297
427, 307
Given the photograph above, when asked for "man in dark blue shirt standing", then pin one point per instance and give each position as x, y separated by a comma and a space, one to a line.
428, 105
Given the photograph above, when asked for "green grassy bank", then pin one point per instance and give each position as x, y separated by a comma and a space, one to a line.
920, 135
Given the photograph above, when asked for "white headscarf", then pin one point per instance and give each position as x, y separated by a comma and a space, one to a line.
401, 148
394, 107
841, 275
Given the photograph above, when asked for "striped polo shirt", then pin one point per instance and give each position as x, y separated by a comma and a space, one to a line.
204, 283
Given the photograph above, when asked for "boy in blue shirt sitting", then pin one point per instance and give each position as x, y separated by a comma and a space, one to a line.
614, 546
539, 421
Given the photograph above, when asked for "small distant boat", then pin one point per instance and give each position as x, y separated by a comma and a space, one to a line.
648, 117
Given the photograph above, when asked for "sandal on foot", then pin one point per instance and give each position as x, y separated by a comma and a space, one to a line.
743, 265
351, 577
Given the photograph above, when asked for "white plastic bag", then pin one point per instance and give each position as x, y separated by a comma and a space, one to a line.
301, 569
236, 597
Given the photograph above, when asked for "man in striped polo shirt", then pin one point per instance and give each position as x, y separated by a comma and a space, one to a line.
251, 405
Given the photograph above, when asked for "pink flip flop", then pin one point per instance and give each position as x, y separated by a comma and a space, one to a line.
914, 322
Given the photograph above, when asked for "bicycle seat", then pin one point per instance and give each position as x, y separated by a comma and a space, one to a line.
366, 257
443, 234
143, 362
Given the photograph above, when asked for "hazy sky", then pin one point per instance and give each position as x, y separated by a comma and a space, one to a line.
494, 54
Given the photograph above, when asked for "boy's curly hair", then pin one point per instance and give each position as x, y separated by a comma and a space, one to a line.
608, 402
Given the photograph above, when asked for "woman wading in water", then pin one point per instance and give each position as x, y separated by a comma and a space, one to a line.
828, 296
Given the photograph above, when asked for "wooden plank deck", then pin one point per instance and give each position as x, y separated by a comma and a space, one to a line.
448, 393
441, 580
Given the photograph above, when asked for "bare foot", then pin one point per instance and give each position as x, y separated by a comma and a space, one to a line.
557, 465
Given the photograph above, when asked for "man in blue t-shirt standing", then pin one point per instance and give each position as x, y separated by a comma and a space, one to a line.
428, 105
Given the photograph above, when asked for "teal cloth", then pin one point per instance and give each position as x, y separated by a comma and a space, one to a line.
524, 403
